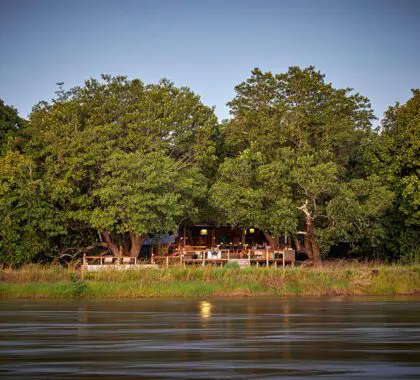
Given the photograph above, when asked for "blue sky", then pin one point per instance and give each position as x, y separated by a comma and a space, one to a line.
209, 46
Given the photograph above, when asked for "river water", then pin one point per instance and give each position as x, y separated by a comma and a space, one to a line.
244, 338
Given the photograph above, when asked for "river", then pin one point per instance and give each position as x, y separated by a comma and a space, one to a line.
228, 338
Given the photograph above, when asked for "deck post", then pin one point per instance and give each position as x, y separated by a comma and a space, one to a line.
266, 258
204, 258
249, 257
167, 261
284, 264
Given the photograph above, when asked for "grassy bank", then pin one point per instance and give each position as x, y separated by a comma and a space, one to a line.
55, 282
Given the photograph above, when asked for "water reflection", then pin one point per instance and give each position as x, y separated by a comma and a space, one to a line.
217, 338
205, 309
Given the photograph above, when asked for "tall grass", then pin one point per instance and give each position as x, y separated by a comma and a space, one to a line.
36, 281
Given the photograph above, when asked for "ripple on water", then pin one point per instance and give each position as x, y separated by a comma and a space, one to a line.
212, 338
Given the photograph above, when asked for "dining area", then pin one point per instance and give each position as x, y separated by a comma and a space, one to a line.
220, 255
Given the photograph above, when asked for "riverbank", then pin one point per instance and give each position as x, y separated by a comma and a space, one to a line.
333, 280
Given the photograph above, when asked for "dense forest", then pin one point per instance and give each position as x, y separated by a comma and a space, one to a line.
116, 161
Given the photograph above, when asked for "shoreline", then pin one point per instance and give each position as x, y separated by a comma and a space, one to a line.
53, 282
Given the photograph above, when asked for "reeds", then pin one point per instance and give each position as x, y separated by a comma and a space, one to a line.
36, 281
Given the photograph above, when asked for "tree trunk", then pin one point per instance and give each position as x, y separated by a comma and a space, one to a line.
297, 244
109, 244
271, 240
307, 244
136, 244
311, 243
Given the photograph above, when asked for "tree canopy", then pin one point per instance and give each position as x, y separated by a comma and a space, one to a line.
116, 161
395, 156
294, 142
124, 158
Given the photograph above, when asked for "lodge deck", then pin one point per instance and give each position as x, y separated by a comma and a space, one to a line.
196, 256
273, 258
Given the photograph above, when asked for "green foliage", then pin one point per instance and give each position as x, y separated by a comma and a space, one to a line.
130, 160
395, 156
27, 219
250, 195
145, 193
295, 140
232, 265
297, 109
401, 138
354, 279
11, 127
78, 286
355, 213
123, 157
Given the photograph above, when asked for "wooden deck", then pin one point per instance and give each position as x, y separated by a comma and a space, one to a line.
197, 256
243, 258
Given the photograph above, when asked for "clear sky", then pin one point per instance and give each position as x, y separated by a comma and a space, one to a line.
209, 46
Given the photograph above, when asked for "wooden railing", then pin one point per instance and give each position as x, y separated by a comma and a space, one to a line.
204, 257
201, 255
109, 260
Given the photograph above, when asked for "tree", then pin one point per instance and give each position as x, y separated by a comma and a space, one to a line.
394, 156
11, 126
127, 159
27, 219
293, 143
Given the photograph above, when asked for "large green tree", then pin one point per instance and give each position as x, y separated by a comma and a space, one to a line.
124, 158
28, 221
294, 145
395, 156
